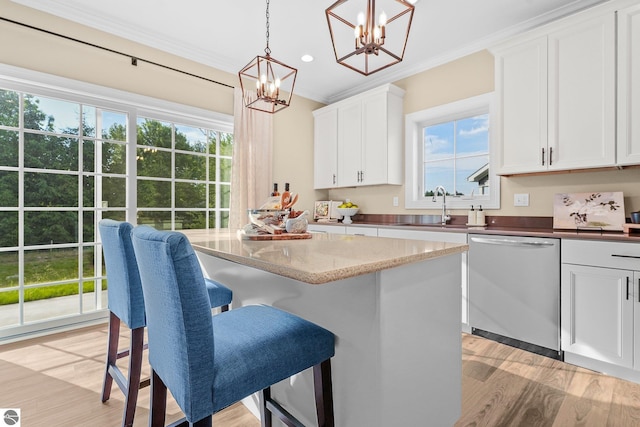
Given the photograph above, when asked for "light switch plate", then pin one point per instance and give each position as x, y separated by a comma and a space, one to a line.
395, 200
521, 199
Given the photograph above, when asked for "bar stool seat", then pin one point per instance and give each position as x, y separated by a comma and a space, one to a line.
126, 304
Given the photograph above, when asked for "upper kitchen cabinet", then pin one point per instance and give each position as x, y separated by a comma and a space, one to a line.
358, 141
556, 108
325, 148
629, 85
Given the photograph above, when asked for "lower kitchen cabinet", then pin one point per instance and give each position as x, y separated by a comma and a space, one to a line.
600, 306
597, 313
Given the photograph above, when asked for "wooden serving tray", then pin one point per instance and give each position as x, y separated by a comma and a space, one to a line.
283, 236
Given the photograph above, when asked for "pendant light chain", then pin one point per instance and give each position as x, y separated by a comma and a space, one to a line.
266, 49
267, 84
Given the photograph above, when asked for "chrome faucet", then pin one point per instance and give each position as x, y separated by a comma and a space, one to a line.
438, 189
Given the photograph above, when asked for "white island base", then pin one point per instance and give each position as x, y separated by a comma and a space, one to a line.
398, 354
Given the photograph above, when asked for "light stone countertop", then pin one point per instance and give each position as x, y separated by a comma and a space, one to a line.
323, 258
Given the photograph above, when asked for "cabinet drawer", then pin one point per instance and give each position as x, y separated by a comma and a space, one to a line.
601, 254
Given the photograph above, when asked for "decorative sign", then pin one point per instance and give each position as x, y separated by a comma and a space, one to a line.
600, 211
321, 210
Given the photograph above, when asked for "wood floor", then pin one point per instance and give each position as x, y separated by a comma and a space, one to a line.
56, 381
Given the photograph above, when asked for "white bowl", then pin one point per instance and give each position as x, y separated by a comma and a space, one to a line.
347, 211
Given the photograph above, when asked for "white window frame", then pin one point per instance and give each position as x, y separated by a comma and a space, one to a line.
47, 85
414, 153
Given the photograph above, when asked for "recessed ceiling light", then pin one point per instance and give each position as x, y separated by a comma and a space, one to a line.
307, 58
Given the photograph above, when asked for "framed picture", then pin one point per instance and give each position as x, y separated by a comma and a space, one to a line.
601, 211
321, 210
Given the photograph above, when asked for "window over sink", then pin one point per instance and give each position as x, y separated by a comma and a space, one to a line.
450, 145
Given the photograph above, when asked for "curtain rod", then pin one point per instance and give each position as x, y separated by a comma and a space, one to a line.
134, 59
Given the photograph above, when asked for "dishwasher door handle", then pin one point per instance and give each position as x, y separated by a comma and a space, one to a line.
509, 242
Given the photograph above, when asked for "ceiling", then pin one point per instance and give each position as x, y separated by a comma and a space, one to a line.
227, 35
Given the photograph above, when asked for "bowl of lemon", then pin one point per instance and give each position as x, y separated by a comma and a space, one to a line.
347, 210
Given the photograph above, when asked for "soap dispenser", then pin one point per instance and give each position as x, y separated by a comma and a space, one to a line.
480, 219
471, 217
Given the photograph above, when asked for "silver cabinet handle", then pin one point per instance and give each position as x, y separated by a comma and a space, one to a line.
542, 156
627, 288
626, 256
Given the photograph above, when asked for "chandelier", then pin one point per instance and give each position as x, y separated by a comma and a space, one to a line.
266, 83
373, 42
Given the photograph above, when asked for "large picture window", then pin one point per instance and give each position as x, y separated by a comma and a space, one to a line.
450, 146
68, 160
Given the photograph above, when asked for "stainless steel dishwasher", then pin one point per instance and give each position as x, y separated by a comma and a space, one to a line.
514, 291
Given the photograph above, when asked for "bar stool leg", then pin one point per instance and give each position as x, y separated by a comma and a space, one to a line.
112, 355
265, 414
158, 401
324, 393
135, 371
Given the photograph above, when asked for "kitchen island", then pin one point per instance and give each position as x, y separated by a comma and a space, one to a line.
393, 304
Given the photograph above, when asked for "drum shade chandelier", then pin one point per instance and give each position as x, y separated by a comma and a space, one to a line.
376, 39
266, 83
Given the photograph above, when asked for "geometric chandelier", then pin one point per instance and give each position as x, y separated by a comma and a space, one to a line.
369, 37
266, 83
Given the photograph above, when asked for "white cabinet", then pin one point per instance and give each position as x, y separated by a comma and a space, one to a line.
358, 141
600, 306
521, 80
629, 85
349, 143
597, 314
326, 228
325, 149
557, 97
439, 236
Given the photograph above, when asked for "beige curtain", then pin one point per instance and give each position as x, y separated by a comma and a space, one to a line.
252, 159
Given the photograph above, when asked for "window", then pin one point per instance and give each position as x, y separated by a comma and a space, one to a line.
69, 158
184, 175
450, 146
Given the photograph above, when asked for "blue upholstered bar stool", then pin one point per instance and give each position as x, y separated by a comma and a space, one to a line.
126, 304
210, 362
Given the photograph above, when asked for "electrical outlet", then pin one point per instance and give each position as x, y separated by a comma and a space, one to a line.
521, 199
395, 201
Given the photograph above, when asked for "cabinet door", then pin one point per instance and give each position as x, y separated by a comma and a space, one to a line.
374, 140
629, 85
582, 95
325, 149
597, 313
521, 79
349, 144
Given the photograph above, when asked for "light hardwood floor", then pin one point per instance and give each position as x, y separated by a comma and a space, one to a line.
56, 380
